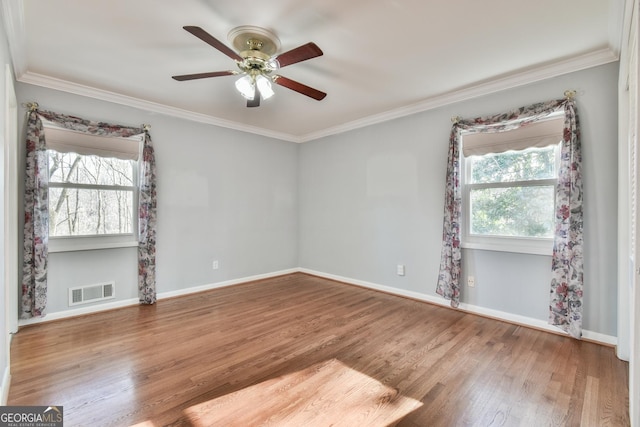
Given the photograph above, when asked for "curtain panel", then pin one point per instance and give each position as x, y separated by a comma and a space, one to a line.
567, 271
33, 299
451, 253
565, 309
147, 224
34, 283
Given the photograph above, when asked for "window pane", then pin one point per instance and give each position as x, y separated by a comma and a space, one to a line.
530, 164
513, 211
78, 169
82, 212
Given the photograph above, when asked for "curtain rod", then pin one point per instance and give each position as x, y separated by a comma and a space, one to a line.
33, 106
569, 94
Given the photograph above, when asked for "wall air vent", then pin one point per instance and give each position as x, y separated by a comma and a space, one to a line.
91, 293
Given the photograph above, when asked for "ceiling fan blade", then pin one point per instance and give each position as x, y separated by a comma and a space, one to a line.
209, 39
203, 75
299, 87
299, 54
255, 102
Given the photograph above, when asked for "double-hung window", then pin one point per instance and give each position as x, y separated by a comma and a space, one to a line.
92, 190
509, 181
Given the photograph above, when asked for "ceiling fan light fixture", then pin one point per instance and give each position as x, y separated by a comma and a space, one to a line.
246, 87
256, 60
264, 86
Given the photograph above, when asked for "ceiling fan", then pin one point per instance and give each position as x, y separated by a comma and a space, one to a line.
257, 60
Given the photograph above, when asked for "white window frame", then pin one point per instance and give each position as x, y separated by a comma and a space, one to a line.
99, 241
515, 244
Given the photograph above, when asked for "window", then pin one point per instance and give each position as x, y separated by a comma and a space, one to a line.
509, 189
89, 195
92, 191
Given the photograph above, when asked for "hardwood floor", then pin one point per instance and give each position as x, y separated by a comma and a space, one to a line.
299, 350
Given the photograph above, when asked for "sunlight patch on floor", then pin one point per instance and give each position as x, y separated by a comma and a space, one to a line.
328, 393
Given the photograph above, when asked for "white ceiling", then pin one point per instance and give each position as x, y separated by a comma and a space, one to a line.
382, 58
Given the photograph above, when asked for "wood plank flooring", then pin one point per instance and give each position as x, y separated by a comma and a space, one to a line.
299, 350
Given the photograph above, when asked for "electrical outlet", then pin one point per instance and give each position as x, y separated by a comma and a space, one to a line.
400, 269
215, 265
471, 281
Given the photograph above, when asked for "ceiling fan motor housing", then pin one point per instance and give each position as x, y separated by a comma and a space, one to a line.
255, 59
256, 46
255, 38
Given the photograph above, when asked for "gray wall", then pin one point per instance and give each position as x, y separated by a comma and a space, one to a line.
352, 205
372, 198
222, 194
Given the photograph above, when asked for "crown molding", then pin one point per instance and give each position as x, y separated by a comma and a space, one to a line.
129, 101
509, 81
13, 16
531, 75
14, 22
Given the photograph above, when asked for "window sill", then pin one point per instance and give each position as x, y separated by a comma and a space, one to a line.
80, 244
512, 247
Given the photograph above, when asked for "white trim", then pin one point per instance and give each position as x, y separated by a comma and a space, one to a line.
517, 244
78, 312
89, 243
163, 295
13, 14
509, 81
509, 317
129, 101
232, 282
10, 171
4, 387
516, 79
520, 246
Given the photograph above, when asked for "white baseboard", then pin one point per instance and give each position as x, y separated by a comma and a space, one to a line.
4, 387
487, 312
134, 301
48, 317
180, 292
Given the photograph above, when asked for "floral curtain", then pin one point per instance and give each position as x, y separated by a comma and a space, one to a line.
34, 283
567, 261
451, 254
147, 225
33, 299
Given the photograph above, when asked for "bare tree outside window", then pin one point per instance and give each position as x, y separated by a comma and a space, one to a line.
90, 195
